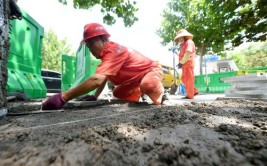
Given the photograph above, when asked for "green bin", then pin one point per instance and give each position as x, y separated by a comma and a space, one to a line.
86, 65
68, 64
25, 58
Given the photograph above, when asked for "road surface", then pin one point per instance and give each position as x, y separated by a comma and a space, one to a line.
209, 130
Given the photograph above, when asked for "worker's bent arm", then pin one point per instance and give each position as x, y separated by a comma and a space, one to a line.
88, 85
185, 58
100, 88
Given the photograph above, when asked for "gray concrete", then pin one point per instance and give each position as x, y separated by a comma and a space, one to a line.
232, 132
3, 112
252, 86
178, 99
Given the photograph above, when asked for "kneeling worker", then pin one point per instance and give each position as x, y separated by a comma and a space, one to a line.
132, 73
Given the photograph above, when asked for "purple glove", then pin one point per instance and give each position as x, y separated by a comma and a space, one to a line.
179, 65
88, 98
54, 102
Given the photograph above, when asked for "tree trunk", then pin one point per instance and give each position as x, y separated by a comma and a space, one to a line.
4, 49
202, 52
200, 65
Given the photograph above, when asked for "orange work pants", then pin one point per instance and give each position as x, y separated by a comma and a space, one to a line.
188, 80
150, 85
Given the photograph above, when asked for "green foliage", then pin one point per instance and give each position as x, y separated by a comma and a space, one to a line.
215, 24
251, 56
239, 59
245, 20
197, 18
52, 50
111, 9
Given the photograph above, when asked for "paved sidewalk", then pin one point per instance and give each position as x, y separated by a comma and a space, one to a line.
177, 99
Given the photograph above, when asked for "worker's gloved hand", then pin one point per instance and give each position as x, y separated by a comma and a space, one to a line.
179, 65
88, 98
54, 102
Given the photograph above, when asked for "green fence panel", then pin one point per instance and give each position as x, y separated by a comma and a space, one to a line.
68, 64
86, 65
25, 58
216, 85
200, 83
253, 70
13, 84
212, 83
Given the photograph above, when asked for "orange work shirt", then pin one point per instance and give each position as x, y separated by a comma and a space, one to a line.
188, 45
122, 65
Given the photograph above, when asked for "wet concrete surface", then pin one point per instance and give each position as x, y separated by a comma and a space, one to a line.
209, 130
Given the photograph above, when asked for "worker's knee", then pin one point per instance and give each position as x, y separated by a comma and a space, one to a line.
122, 92
127, 94
147, 87
117, 93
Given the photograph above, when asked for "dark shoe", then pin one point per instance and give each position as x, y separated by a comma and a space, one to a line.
54, 102
196, 93
164, 97
185, 97
143, 97
15, 12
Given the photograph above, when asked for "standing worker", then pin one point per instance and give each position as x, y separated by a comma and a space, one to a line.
132, 73
186, 61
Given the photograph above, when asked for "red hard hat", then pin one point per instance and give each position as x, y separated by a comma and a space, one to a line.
92, 30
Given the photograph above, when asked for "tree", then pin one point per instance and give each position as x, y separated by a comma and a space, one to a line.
52, 50
8, 10
111, 9
254, 55
257, 58
3, 52
197, 18
238, 58
215, 24
246, 20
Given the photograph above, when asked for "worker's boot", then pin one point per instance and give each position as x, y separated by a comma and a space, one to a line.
144, 98
165, 97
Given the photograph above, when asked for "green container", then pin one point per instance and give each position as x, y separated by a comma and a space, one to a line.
86, 65
68, 64
25, 58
